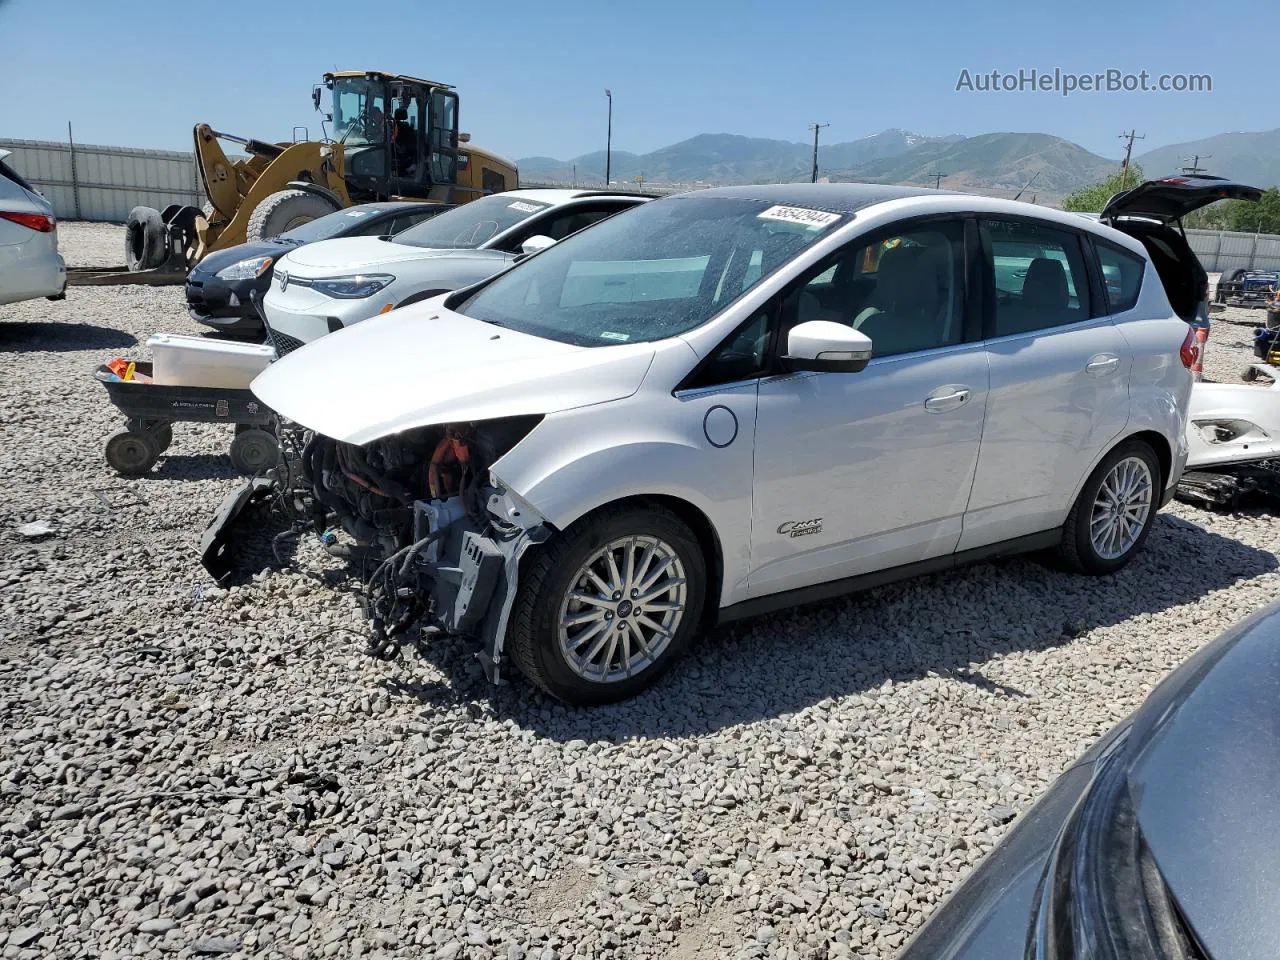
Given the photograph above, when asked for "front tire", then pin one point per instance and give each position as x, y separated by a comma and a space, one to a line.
284, 210
1113, 514
607, 606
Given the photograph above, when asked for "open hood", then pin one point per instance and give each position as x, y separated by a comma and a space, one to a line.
366, 254
424, 365
1172, 198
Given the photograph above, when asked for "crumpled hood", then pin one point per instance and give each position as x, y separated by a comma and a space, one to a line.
328, 258
423, 364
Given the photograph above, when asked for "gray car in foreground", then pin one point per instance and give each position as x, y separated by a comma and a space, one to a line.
1163, 841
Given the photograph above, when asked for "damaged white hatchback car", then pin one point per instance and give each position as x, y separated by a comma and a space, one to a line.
738, 399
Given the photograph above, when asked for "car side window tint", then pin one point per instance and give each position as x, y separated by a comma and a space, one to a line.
374, 227
904, 290
561, 223
1040, 278
1121, 276
743, 356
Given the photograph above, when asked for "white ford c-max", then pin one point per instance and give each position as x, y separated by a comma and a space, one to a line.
732, 400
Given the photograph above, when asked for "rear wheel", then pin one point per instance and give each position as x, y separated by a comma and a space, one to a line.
144, 239
132, 454
284, 210
608, 605
1113, 515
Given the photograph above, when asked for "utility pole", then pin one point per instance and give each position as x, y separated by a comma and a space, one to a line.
815, 127
608, 143
937, 180
1130, 135
1194, 168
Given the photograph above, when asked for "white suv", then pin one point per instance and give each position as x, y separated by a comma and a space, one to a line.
738, 399
30, 266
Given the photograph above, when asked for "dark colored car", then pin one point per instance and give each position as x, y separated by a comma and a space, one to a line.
219, 286
1161, 842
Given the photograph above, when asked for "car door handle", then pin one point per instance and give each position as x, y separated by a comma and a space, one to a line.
940, 402
1102, 364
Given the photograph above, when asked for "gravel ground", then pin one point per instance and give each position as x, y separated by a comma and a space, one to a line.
191, 771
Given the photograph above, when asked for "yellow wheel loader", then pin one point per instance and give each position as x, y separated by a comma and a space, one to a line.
392, 137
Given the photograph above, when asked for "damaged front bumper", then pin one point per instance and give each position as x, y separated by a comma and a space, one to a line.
1233, 435
457, 578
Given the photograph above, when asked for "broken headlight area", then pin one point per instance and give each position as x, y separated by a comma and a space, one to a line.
435, 538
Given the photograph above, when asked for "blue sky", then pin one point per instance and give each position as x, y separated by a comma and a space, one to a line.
532, 75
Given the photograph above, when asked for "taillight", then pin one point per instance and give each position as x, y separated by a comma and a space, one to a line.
39, 222
1190, 350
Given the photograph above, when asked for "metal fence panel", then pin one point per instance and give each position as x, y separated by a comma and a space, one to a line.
92, 182
1221, 251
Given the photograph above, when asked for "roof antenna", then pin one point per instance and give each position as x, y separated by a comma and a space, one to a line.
1027, 184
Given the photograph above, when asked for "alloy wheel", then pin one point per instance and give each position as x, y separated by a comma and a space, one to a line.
622, 609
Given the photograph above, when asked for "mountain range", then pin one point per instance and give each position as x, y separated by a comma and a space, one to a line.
1000, 163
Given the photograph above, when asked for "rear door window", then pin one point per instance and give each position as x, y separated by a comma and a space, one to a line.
1040, 277
1121, 276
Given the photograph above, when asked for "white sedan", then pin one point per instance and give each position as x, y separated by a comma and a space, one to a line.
30, 266
327, 286
739, 399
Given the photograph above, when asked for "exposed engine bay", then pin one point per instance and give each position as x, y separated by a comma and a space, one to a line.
436, 541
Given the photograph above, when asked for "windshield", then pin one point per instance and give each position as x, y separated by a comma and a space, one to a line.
472, 224
359, 111
655, 271
327, 227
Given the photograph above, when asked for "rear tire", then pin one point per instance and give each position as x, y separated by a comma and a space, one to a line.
132, 454
284, 210
145, 239
1113, 514
587, 635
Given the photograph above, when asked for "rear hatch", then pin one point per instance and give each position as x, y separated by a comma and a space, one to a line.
1152, 213
1172, 198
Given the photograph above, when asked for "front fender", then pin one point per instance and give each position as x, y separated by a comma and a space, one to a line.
575, 462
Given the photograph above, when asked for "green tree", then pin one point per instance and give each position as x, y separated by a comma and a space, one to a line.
1262, 217
1093, 199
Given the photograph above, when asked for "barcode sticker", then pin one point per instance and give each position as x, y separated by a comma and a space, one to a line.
813, 219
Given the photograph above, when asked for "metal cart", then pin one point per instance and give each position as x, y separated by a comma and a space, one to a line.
151, 410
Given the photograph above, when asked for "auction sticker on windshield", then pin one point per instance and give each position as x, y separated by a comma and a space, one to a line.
524, 207
813, 219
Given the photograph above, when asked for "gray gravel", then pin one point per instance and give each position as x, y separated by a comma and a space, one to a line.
186, 771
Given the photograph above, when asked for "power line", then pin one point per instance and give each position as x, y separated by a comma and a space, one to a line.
815, 127
937, 179
1194, 167
1131, 135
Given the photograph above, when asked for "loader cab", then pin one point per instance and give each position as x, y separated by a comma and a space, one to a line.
399, 135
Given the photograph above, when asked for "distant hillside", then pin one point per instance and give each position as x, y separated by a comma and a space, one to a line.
723, 158
994, 161
1248, 157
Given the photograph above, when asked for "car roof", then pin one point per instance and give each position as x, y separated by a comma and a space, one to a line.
835, 197
382, 206
558, 195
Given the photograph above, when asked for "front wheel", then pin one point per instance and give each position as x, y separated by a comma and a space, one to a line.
607, 606
1112, 517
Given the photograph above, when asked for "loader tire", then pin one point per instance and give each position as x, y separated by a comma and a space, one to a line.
144, 239
284, 210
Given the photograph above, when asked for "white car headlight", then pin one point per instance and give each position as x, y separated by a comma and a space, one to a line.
245, 269
353, 288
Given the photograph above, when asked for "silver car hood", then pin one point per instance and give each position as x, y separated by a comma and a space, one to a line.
424, 364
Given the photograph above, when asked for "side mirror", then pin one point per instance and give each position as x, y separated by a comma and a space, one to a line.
315, 96
536, 244
827, 346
